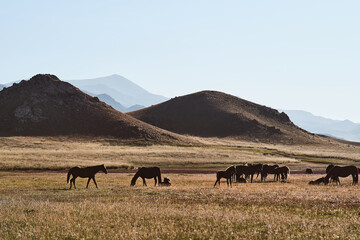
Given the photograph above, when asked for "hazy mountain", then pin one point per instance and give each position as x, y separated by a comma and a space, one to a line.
341, 129
216, 114
1, 86
119, 88
134, 108
116, 105
110, 101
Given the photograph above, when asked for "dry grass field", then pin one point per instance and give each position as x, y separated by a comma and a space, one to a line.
38, 205
45, 153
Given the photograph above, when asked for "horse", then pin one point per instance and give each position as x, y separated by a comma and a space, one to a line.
283, 171
241, 180
332, 179
228, 174
268, 169
86, 172
317, 181
147, 172
329, 168
309, 171
249, 170
338, 171
165, 183
233, 171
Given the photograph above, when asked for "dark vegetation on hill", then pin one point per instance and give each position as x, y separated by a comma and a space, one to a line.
46, 106
216, 114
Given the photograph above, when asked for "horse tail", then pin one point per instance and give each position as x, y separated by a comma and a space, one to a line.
356, 177
288, 171
68, 175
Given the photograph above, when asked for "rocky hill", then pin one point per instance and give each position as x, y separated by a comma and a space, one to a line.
216, 114
46, 106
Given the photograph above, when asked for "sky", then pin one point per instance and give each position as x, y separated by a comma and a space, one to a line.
296, 55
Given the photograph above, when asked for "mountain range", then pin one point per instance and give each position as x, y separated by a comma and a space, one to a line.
120, 89
346, 130
126, 96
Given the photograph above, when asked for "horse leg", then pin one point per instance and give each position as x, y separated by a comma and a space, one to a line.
252, 176
227, 182
93, 178
144, 182
217, 180
155, 181
71, 183
87, 185
230, 183
74, 182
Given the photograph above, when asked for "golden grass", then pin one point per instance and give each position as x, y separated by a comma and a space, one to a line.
42, 153
39, 206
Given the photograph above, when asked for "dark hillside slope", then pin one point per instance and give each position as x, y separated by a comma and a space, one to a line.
46, 106
216, 114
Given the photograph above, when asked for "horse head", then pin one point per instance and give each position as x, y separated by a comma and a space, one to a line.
103, 168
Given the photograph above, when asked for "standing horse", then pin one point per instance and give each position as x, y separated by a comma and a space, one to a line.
268, 169
232, 170
338, 171
86, 172
249, 170
283, 171
228, 174
147, 172
332, 179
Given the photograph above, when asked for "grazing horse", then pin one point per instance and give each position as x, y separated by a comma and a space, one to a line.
147, 172
283, 171
317, 181
86, 172
268, 169
228, 174
338, 171
249, 170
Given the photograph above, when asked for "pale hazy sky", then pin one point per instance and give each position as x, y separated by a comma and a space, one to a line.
284, 54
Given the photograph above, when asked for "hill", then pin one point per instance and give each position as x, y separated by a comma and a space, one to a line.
46, 106
216, 114
121, 89
341, 129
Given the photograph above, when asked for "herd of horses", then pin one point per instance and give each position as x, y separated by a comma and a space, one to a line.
238, 174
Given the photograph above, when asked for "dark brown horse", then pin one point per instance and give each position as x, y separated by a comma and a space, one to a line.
86, 172
268, 169
248, 171
346, 171
165, 183
329, 168
281, 171
233, 171
227, 174
332, 179
317, 181
147, 172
